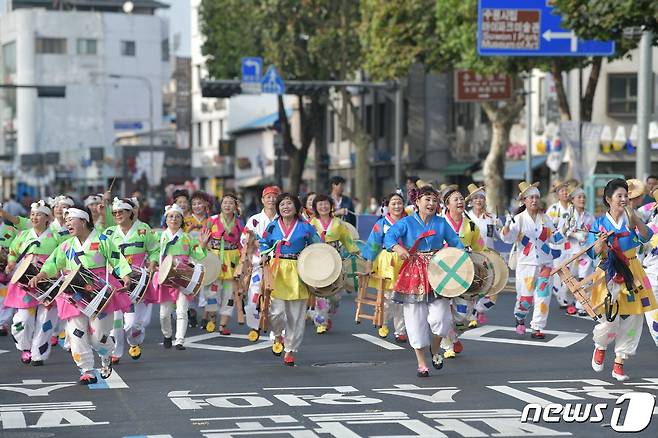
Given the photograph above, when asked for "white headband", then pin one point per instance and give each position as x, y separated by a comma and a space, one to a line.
120, 204
135, 201
174, 208
77, 213
533, 191
41, 207
576, 192
65, 200
93, 199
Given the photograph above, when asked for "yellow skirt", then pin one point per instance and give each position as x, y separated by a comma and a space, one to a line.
630, 303
287, 284
229, 262
386, 265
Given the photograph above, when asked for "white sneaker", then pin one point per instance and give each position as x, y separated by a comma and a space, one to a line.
106, 366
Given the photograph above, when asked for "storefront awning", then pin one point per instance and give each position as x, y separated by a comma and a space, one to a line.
456, 169
514, 169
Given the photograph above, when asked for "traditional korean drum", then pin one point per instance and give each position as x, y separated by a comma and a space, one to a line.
353, 265
46, 290
320, 268
501, 271
140, 278
354, 233
88, 292
188, 277
213, 266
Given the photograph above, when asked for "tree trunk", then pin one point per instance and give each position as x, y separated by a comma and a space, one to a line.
494, 167
588, 99
501, 118
321, 154
563, 102
360, 139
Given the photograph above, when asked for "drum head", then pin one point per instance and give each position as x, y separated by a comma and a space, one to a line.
319, 265
450, 272
212, 265
165, 267
501, 272
484, 276
354, 233
68, 279
21, 268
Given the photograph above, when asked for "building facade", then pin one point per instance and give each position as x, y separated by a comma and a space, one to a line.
113, 65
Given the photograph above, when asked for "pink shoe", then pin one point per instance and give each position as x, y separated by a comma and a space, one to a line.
482, 318
520, 329
26, 357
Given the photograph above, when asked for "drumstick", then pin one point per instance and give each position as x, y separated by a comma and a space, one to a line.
112, 184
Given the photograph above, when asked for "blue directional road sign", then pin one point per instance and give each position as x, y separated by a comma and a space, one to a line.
530, 28
252, 69
272, 82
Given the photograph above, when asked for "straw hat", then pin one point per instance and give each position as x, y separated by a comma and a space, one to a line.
472, 190
573, 189
443, 189
524, 187
559, 184
636, 188
319, 265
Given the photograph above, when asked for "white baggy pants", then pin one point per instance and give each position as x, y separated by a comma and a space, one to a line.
219, 296
181, 318
533, 286
32, 329
421, 319
89, 335
131, 326
624, 331
288, 315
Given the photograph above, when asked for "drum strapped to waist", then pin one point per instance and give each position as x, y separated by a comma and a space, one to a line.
140, 278
189, 277
46, 290
320, 267
454, 272
88, 292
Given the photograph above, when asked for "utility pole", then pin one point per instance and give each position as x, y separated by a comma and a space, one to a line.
528, 115
644, 93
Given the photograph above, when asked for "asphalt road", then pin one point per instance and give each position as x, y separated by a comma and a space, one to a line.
342, 386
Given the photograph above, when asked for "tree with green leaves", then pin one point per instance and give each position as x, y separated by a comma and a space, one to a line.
307, 40
397, 35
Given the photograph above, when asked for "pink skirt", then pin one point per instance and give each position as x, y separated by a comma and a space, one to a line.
168, 294
119, 300
17, 297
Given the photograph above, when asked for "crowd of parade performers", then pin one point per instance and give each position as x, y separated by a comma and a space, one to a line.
104, 236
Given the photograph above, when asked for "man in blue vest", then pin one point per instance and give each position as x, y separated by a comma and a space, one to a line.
344, 205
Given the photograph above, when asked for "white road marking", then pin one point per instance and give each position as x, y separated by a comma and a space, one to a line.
523, 396
195, 342
113, 382
377, 341
561, 340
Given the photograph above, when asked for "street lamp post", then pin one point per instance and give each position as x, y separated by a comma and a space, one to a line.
149, 86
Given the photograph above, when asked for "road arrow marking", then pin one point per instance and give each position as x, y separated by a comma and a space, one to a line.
548, 36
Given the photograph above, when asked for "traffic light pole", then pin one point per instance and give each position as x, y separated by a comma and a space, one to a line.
229, 88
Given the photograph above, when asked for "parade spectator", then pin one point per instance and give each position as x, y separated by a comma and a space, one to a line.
13, 207
651, 185
344, 204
